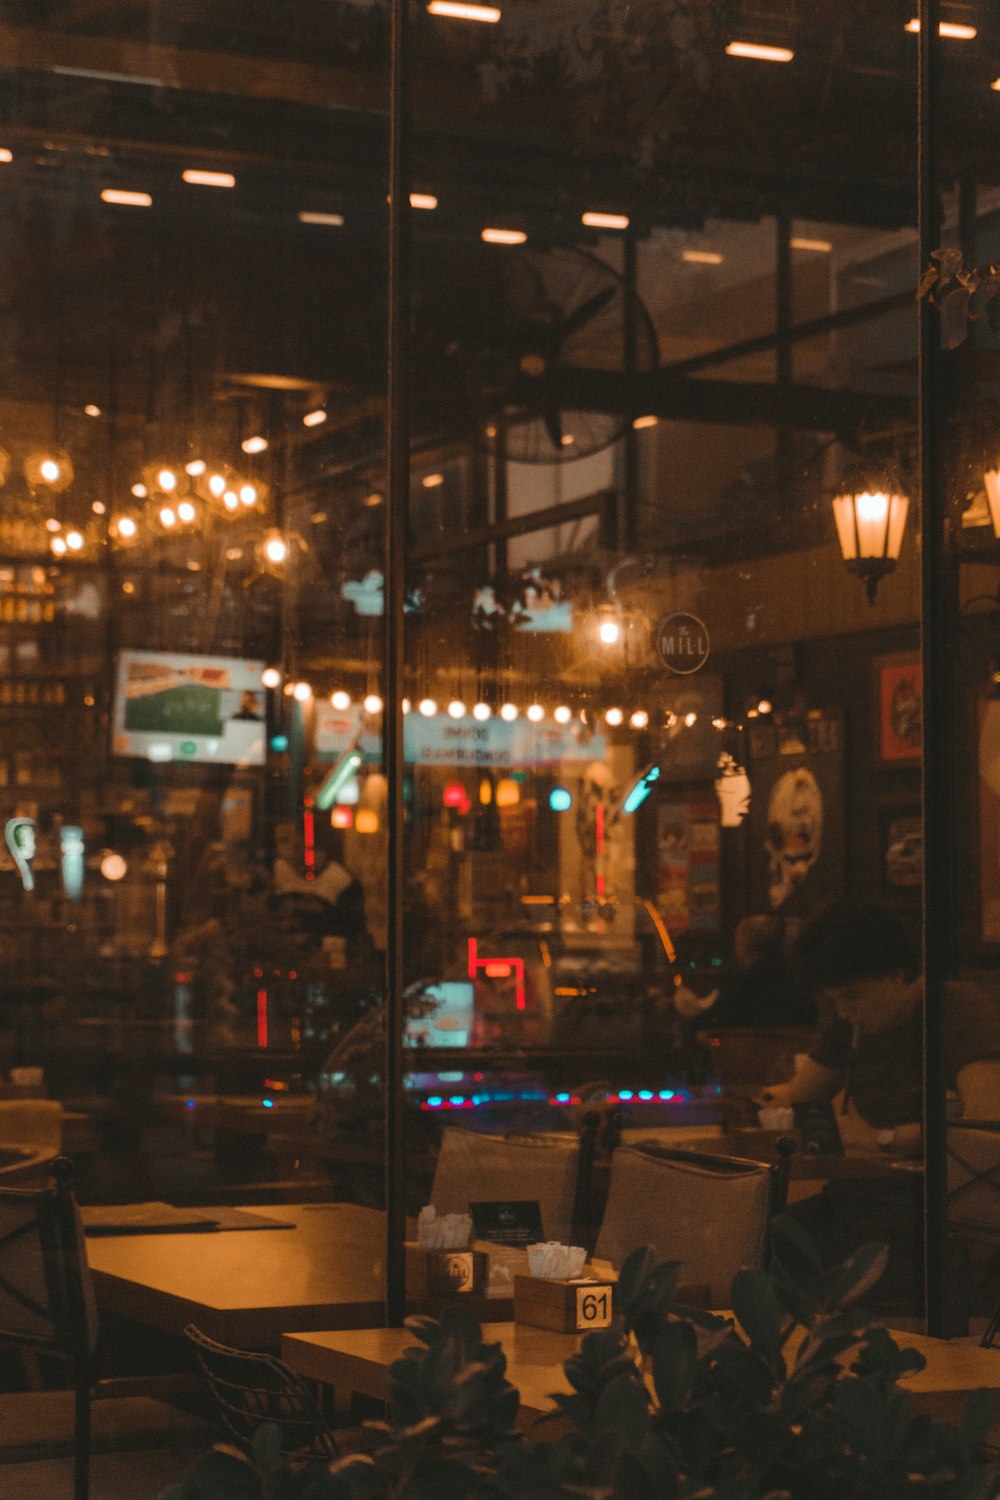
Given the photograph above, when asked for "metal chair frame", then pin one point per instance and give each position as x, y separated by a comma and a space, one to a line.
250, 1389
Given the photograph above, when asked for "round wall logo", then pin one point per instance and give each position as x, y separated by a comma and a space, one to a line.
682, 642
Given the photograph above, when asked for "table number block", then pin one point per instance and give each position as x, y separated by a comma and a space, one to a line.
563, 1306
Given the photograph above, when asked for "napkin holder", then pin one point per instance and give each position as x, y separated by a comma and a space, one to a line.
575, 1306
444, 1273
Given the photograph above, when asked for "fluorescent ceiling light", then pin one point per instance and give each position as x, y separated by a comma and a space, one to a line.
132, 200
646, 421
702, 257
5, 154
759, 51
462, 12
314, 418
606, 221
198, 178
306, 216
504, 236
423, 200
953, 29
823, 247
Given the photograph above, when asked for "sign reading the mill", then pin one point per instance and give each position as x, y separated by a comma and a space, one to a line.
682, 641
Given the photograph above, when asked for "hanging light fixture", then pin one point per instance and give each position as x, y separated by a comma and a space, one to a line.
870, 526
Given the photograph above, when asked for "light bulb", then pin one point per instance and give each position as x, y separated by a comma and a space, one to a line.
167, 480
456, 709
231, 500
340, 700
481, 711
608, 632
74, 541
639, 719
53, 525
302, 692
373, 704
127, 527
275, 549
139, 491
186, 512
428, 707
113, 867
536, 713
614, 717
168, 517
49, 470
217, 485
195, 468
691, 720
248, 494
562, 714
58, 545
406, 705
270, 677
509, 712
255, 444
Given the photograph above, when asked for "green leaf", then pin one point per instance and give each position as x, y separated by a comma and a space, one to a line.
759, 1312
856, 1276
674, 1356
623, 1408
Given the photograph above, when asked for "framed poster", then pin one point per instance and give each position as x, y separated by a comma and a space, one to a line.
901, 846
797, 814
900, 702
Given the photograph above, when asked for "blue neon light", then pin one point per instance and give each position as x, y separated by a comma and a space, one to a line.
267, 1103
560, 799
641, 789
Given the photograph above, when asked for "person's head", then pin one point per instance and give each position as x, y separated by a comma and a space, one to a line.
860, 958
757, 938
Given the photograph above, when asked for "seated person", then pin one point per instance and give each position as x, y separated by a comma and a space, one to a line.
759, 990
858, 960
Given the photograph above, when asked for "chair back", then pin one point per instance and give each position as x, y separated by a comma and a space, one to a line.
472, 1168
709, 1212
46, 1294
249, 1389
974, 1176
32, 1122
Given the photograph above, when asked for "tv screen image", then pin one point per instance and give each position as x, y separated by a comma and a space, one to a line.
175, 707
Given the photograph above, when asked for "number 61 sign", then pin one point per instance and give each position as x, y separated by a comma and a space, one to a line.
593, 1306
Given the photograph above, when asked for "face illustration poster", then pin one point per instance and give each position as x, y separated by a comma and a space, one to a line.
900, 708
797, 814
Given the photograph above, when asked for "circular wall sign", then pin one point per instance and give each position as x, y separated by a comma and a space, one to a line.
682, 641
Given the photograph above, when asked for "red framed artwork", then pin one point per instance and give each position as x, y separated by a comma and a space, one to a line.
900, 708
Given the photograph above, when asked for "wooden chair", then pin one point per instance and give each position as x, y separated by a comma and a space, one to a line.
974, 1193
47, 1307
472, 1167
250, 1389
709, 1212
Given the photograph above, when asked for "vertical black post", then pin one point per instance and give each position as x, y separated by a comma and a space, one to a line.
934, 651
629, 526
398, 472
783, 372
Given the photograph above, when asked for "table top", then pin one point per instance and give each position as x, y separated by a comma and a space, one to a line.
359, 1361
248, 1288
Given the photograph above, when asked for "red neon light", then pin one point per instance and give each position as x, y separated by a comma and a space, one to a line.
309, 839
262, 1018
499, 968
599, 827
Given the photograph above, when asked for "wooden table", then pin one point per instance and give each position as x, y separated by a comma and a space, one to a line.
248, 1287
358, 1361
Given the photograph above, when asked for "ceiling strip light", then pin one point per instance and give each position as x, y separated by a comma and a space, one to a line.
306, 216
605, 221
649, 420
132, 200
198, 178
702, 257
423, 200
759, 51
463, 12
823, 247
504, 236
954, 29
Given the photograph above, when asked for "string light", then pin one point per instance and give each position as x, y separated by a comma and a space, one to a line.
270, 677
340, 700
536, 713
302, 692
614, 717
428, 707
482, 712
562, 714
456, 709
373, 704
508, 712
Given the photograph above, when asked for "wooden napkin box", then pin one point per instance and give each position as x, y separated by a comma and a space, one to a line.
564, 1306
444, 1273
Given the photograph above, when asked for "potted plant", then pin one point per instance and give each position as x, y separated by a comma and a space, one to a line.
669, 1403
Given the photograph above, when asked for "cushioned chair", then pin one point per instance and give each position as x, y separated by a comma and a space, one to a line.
32, 1122
709, 1212
249, 1389
472, 1168
974, 1190
47, 1307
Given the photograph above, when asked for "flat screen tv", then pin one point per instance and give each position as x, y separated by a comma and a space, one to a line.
172, 707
